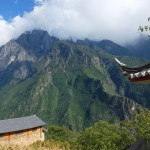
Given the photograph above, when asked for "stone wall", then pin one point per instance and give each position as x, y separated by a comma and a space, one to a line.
23, 138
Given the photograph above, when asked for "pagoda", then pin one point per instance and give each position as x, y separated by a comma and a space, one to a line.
136, 74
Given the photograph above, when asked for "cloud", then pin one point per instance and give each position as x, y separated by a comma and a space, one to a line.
117, 20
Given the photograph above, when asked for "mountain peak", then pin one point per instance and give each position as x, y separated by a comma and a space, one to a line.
37, 42
113, 48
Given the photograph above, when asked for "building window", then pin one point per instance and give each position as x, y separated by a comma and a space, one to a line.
18, 133
1, 136
34, 129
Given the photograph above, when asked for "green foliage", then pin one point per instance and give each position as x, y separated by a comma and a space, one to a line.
60, 133
50, 144
139, 125
102, 136
106, 136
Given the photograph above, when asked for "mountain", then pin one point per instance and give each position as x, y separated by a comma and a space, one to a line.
140, 48
105, 45
113, 48
66, 83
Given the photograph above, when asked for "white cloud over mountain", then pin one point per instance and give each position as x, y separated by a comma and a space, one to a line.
117, 20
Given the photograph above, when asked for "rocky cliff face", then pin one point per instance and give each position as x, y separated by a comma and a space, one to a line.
64, 82
12, 52
36, 42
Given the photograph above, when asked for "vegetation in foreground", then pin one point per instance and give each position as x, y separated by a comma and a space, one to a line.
101, 136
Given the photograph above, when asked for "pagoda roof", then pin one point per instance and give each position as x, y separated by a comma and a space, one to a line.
140, 73
18, 124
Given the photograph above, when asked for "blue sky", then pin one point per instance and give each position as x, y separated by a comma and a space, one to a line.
11, 8
116, 20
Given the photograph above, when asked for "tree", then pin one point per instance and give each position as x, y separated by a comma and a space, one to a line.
139, 125
102, 136
106, 136
60, 133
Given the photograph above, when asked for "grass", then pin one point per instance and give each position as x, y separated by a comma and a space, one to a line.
46, 145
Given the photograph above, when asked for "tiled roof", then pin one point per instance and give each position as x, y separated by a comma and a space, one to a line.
135, 73
133, 69
17, 124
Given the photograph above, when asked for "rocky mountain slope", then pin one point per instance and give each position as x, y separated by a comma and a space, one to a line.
64, 82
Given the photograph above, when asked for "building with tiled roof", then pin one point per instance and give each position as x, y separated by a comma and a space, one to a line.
24, 130
136, 74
